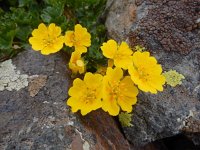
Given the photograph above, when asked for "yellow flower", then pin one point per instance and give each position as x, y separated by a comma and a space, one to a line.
121, 54
146, 73
79, 38
118, 92
47, 39
173, 78
76, 63
86, 94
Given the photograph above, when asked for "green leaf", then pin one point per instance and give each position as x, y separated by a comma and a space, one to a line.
24, 2
125, 119
23, 32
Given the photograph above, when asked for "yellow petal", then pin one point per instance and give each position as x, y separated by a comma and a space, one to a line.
86, 40
36, 43
58, 45
69, 36
80, 48
77, 88
123, 62
157, 82
134, 74
138, 56
54, 30
110, 105
128, 88
75, 56
82, 36
124, 49
41, 31
126, 103
114, 74
109, 49
48, 50
93, 80
74, 103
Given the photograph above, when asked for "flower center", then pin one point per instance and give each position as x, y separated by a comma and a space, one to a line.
143, 74
80, 63
119, 56
74, 40
90, 96
115, 90
48, 42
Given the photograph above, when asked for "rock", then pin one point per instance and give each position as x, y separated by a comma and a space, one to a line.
35, 116
162, 27
106, 129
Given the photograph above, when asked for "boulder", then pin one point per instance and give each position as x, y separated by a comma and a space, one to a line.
170, 30
34, 114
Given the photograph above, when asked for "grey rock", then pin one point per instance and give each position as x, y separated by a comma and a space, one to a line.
175, 42
40, 120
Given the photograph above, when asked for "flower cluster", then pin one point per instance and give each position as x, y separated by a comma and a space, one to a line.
113, 88
49, 40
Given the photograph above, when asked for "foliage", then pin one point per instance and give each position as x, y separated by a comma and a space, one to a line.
125, 119
19, 17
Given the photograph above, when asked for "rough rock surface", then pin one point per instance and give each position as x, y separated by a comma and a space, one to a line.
36, 116
171, 31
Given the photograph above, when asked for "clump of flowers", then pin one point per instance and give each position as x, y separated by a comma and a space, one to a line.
114, 87
47, 39
173, 78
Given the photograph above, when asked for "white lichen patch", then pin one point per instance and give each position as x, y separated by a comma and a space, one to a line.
10, 78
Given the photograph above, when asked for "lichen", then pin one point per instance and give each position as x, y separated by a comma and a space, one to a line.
173, 78
36, 83
139, 48
125, 119
10, 78
169, 25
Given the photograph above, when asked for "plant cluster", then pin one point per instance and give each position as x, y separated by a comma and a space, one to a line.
19, 17
117, 86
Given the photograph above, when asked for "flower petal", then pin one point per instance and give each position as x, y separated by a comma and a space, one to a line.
36, 43
114, 74
74, 103
128, 88
80, 48
126, 103
69, 36
77, 88
82, 36
110, 105
109, 49
93, 80
41, 31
